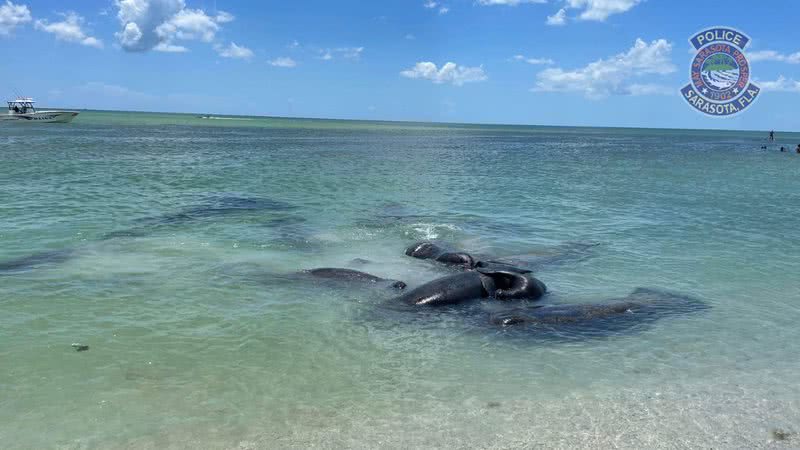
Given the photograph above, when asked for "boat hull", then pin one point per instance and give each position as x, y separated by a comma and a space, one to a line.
41, 117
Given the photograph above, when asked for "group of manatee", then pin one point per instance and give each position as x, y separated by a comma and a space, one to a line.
210, 208
513, 287
509, 282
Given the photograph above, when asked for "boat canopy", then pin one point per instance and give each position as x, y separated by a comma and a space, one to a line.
24, 104
21, 100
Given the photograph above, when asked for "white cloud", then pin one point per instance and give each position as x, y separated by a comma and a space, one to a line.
140, 20
12, 16
189, 24
341, 52
350, 52
599, 10
283, 62
772, 55
234, 51
648, 89
449, 73
557, 19
533, 61
158, 24
69, 30
508, 2
613, 76
170, 48
432, 4
294, 44
782, 84
224, 17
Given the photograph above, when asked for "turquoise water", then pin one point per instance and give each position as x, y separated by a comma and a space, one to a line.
202, 336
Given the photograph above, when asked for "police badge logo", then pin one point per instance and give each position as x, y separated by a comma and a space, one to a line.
720, 74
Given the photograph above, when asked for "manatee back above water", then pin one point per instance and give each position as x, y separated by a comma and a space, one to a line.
449, 290
497, 284
430, 250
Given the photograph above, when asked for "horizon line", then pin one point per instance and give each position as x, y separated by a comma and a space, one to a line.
424, 122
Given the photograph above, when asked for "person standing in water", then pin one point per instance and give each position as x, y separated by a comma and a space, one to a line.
772, 135
798, 148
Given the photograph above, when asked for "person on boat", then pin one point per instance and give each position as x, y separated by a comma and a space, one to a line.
772, 135
16, 109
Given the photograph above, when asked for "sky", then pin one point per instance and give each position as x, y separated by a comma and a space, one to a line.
538, 62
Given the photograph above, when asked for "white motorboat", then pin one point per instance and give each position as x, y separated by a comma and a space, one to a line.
22, 110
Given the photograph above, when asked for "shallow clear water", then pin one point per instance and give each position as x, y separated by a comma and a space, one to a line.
202, 336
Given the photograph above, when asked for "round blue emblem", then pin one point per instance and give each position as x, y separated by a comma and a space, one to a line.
720, 73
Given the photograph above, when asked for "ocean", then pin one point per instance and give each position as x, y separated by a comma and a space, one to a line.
173, 247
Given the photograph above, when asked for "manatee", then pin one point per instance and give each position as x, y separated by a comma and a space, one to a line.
289, 227
449, 290
643, 306
36, 260
218, 206
499, 284
352, 275
567, 253
570, 252
511, 283
429, 250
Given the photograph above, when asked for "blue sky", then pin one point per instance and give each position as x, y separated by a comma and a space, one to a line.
548, 62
